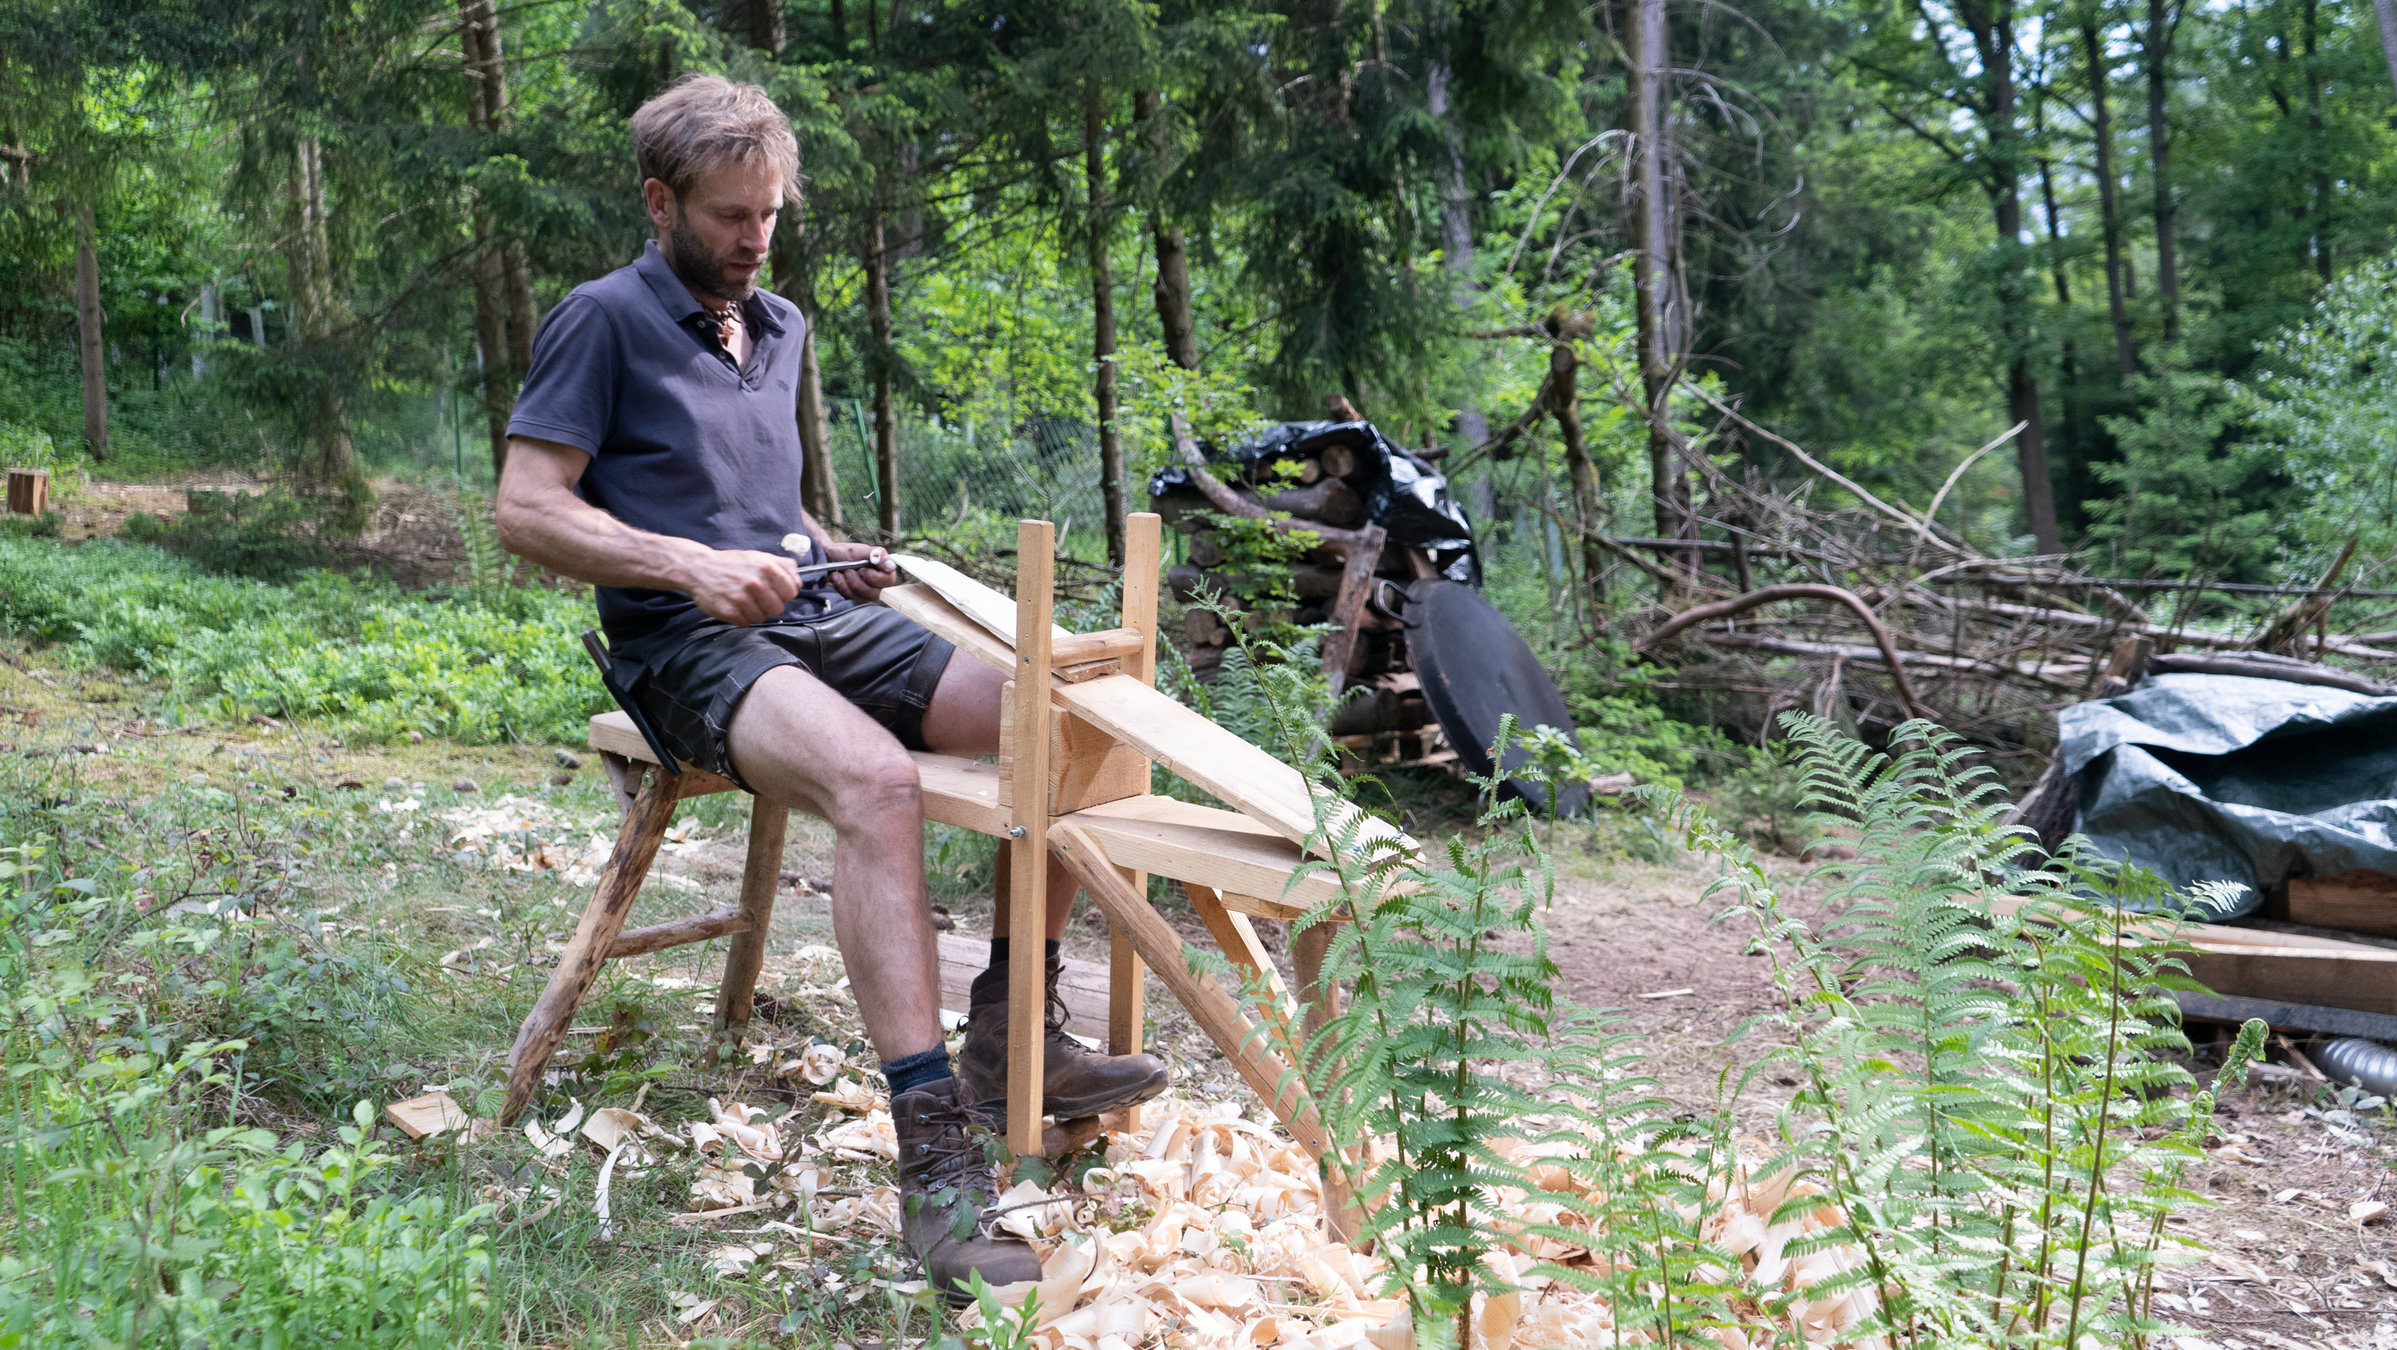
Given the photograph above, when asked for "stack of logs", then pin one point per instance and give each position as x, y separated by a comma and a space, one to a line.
1339, 582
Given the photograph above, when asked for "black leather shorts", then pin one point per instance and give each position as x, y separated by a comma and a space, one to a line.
875, 657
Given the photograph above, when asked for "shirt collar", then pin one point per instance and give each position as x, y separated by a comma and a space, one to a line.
680, 304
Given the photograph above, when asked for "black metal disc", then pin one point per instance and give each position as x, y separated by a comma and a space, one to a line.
1475, 668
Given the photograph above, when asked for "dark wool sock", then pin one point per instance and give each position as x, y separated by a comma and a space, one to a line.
998, 951
914, 1071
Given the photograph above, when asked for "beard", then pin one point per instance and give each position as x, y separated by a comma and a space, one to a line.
704, 271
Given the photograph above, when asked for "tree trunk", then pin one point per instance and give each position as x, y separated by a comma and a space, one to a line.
491, 336
2068, 357
1171, 290
760, 24
2386, 12
1652, 262
819, 486
335, 465
2320, 215
1456, 221
496, 292
1102, 313
886, 413
89, 322
2157, 57
2126, 352
1564, 403
1995, 40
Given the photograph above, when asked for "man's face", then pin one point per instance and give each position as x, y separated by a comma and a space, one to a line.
717, 234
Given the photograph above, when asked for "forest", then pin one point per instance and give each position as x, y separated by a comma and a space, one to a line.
1842, 396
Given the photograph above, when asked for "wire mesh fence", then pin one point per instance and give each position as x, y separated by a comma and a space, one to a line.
969, 485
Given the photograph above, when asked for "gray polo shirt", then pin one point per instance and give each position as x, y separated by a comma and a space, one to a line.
628, 370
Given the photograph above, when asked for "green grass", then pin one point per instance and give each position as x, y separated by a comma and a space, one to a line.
499, 665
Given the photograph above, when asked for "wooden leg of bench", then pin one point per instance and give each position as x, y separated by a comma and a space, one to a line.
1237, 937
760, 878
1127, 989
1213, 1007
628, 866
1318, 999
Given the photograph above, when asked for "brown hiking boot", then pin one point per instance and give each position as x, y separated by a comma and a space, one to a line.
1076, 1080
945, 1183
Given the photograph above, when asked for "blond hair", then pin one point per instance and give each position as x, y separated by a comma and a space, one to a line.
705, 122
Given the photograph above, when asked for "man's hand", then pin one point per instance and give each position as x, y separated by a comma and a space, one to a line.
741, 586
864, 585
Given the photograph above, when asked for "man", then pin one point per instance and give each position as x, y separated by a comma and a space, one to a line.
654, 453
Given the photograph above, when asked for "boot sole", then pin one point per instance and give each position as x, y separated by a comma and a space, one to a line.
1078, 1107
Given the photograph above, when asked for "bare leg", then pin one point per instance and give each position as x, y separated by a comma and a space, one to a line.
794, 739
963, 719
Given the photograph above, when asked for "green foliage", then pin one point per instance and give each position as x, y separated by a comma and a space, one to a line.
2190, 499
361, 655
1991, 1087
2326, 400
134, 1220
269, 536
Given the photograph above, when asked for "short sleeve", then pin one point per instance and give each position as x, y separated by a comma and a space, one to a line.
569, 395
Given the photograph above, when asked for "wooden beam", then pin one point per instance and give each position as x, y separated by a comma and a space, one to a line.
1203, 845
1108, 644
1238, 938
1219, 762
761, 877
1028, 826
636, 848
2359, 901
657, 937
925, 605
1127, 985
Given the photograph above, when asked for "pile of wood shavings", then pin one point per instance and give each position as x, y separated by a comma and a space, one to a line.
1205, 1229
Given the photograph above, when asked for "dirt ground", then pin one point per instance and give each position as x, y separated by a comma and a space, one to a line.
412, 537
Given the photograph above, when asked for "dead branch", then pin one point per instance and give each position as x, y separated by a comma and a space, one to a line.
1741, 604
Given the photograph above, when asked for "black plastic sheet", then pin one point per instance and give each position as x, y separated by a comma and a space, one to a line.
2226, 778
1403, 493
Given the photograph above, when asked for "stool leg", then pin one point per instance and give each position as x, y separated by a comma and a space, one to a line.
768, 820
1127, 992
578, 967
1318, 997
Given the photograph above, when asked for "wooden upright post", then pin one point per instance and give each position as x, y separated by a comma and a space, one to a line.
1028, 916
1127, 978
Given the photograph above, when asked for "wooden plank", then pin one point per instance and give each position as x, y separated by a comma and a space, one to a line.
2361, 901
636, 848
2257, 963
428, 1115
1107, 644
957, 791
2288, 1016
2360, 978
1203, 845
1242, 775
657, 937
985, 606
924, 605
961, 792
1086, 765
1027, 706
761, 877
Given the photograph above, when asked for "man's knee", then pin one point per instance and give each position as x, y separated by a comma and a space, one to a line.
877, 791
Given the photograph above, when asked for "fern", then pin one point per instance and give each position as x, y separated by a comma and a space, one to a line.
1990, 1090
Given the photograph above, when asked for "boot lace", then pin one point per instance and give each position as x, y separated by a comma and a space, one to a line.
952, 1154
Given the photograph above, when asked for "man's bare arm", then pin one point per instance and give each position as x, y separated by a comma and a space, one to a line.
540, 518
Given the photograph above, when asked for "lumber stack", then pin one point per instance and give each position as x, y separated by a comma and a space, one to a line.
1324, 487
